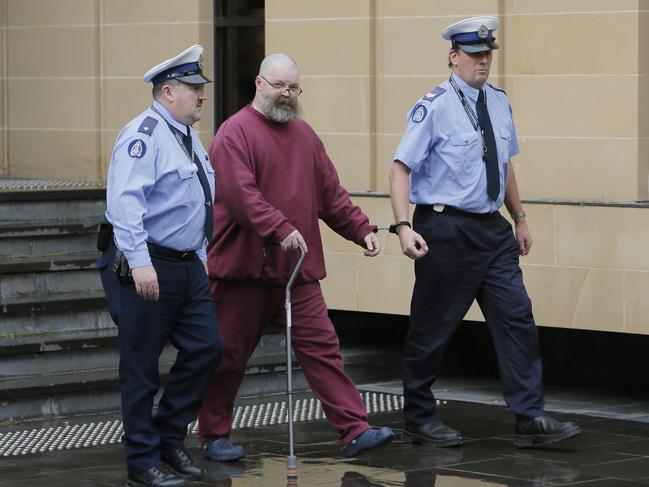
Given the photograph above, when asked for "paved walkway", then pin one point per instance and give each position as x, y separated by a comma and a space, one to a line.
609, 453
571, 399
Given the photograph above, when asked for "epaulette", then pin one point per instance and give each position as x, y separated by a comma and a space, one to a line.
433, 94
419, 111
148, 125
497, 89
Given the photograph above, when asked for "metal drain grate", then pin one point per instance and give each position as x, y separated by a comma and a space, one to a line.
86, 435
26, 184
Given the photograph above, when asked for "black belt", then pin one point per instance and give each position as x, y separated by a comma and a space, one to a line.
450, 210
172, 253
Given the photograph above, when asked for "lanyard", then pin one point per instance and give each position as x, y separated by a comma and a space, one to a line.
473, 118
178, 135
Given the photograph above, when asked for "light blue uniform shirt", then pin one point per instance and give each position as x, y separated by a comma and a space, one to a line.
444, 151
153, 192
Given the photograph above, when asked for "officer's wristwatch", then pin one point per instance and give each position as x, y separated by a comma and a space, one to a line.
395, 226
518, 215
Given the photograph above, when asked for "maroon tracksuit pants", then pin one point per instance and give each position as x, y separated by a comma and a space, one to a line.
244, 310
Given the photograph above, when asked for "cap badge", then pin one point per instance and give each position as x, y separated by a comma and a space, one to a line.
483, 32
200, 62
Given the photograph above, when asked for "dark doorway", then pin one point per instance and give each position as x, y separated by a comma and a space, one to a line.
238, 50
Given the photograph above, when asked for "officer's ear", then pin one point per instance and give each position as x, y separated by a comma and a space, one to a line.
166, 90
452, 58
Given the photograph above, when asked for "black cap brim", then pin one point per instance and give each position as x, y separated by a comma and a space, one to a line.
193, 79
471, 48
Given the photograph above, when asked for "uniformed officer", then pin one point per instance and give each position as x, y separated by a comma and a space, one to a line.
159, 196
453, 163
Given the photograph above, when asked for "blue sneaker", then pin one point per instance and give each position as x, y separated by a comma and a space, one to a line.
367, 440
222, 450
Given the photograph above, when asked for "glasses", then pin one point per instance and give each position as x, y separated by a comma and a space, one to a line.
294, 90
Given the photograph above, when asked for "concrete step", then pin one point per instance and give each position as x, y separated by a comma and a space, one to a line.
31, 303
20, 264
40, 343
70, 205
47, 278
86, 390
59, 395
57, 353
72, 319
49, 228
45, 245
79, 356
42, 284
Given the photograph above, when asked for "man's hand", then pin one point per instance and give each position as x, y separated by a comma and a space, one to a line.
146, 282
412, 244
523, 236
372, 245
293, 241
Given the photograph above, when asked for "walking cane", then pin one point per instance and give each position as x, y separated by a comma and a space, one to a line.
291, 461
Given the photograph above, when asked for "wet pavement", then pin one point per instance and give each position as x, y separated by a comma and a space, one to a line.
608, 453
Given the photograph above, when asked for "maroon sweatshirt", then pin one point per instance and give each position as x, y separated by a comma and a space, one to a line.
271, 179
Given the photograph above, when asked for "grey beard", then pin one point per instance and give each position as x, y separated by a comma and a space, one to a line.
280, 112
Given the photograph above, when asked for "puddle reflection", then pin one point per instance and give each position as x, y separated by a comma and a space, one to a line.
355, 479
270, 472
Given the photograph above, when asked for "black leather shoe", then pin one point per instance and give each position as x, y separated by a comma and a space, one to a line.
542, 430
435, 433
159, 476
180, 461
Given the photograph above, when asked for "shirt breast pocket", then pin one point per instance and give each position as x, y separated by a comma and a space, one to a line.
464, 151
187, 187
505, 141
210, 174
208, 166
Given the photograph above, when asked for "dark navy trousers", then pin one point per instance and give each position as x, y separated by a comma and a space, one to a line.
185, 315
469, 257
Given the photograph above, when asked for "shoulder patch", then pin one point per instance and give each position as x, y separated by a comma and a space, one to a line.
434, 94
137, 149
148, 125
418, 113
497, 89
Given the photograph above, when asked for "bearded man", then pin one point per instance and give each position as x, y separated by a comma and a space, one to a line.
274, 181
